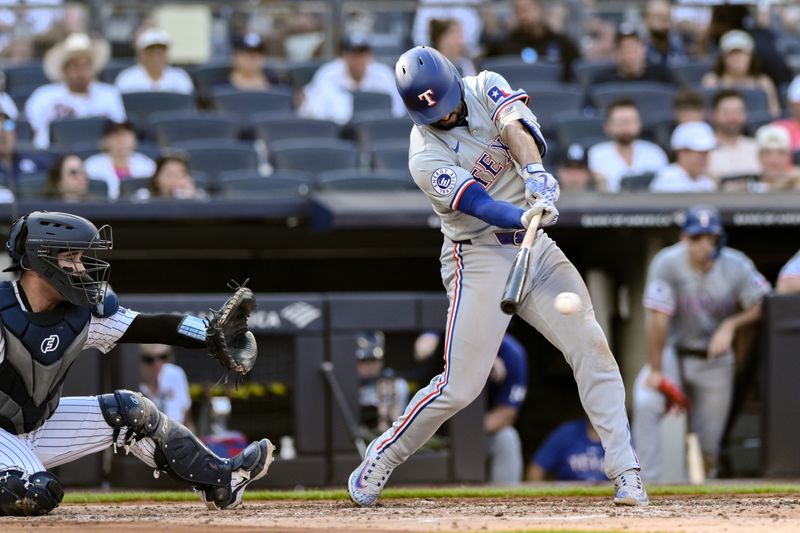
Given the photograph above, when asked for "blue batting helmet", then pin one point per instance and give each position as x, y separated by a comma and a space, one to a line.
429, 84
703, 219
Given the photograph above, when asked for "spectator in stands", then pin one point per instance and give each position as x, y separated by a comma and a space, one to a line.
738, 68
664, 45
573, 170
67, 180
25, 25
789, 277
691, 142
172, 179
249, 60
792, 124
447, 36
688, 106
7, 104
774, 153
73, 65
163, 382
735, 154
533, 40
119, 159
13, 165
153, 72
632, 62
572, 452
465, 11
506, 390
329, 95
625, 154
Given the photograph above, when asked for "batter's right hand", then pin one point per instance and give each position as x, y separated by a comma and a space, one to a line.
653, 379
542, 205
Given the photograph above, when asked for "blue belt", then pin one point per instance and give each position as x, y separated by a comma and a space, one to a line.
513, 237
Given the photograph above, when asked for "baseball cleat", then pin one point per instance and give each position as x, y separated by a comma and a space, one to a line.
251, 464
368, 480
629, 490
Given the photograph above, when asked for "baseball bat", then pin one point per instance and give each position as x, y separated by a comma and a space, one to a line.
694, 459
341, 402
512, 295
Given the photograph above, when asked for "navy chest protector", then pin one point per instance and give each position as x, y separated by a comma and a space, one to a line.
39, 350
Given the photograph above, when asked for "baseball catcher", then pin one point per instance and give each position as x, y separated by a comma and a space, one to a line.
62, 304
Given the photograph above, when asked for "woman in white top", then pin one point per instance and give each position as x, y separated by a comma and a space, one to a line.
119, 160
153, 73
737, 68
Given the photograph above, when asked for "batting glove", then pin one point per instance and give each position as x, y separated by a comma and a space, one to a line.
540, 184
543, 206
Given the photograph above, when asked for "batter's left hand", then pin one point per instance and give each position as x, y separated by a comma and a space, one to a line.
721, 341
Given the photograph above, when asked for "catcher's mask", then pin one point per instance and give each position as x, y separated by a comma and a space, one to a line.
37, 239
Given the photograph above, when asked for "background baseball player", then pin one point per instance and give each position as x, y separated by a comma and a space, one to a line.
699, 293
60, 306
476, 153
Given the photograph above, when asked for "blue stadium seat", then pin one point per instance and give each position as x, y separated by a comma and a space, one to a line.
302, 72
275, 129
571, 127
32, 186
639, 182
585, 70
516, 71
24, 75
547, 101
21, 93
369, 102
216, 156
171, 127
755, 99
209, 75
247, 103
139, 106
370, 129
649, 97
692, 73
279, 183
128, 187
364, 180
112, 69
756, 119
66, 133
314, 156
390, 156
24, 131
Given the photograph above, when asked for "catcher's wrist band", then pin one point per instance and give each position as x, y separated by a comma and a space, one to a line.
193, 327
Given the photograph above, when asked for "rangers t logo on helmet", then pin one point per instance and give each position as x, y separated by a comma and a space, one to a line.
428, 97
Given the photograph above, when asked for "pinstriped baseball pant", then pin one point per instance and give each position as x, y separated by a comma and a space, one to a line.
474, 276
76, 429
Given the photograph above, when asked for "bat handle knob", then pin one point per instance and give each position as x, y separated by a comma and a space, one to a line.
508, 307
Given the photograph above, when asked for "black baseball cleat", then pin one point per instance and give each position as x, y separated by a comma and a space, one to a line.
251, 464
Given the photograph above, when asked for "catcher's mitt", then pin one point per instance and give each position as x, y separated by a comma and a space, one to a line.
227, 337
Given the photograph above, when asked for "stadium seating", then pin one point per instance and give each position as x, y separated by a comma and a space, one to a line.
276, 129
209, 75
24, 75
139, 106
113, 68
246, 103
755, 99
301, 73
365, 102
586, 70
68, 132
278, 184
546, 100
364, 180
32, 187
128, 187
390, 156
172, 127
639, 182
516, 71
24, 131
649, 97
692, 73
21, 93
370, 129
317, 157
571, 127
216, 156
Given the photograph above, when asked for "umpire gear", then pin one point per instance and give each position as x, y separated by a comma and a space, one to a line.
429, 84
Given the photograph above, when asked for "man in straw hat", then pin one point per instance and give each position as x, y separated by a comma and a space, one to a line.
73, 65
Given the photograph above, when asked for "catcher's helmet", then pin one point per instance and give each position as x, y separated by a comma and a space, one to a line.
36, 240
370, 345
703, 219
429, 84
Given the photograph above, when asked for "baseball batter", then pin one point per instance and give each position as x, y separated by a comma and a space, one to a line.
60, 306
476, 153
698, 293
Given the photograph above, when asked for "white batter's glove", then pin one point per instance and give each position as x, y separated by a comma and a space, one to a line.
542, 192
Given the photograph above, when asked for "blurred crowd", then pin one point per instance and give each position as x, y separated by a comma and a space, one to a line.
663, 96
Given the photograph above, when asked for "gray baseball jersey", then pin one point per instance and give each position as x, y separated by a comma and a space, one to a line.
443, 162
699, 302
792, 268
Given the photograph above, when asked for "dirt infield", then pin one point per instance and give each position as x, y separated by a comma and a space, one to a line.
772, 513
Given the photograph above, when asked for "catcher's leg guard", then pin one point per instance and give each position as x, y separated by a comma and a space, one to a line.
40, 495
12, 492
178, 452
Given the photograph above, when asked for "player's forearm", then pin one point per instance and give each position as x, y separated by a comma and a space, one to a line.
657, 329
476, 202
521, 143
498, 418
788, 285
174, 330
746, 317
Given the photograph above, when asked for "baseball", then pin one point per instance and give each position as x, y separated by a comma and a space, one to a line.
567, 303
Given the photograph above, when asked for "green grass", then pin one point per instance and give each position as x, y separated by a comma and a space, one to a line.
443, 492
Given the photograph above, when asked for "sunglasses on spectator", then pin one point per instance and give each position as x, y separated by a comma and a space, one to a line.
151, 359
9, 126
74, 171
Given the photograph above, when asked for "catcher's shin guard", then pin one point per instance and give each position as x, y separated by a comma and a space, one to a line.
178, 451
41, 494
